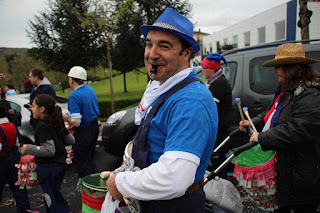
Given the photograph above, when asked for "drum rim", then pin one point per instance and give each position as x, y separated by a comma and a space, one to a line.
93, 186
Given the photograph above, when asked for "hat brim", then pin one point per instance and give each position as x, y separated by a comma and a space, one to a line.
289, 60
193, 43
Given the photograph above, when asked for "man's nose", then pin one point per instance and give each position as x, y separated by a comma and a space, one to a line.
154, 52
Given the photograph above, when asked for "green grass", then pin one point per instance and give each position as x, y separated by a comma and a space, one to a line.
136, 84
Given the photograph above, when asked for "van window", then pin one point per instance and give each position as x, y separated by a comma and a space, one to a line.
314, 55
15, 107
263, 80
230, 72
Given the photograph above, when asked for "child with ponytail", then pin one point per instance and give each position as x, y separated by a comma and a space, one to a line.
51, 137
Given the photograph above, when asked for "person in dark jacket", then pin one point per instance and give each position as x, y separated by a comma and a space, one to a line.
222, 94
51, 137
41, 86
291, 128
9, 156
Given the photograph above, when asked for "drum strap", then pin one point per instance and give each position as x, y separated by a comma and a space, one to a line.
4, 140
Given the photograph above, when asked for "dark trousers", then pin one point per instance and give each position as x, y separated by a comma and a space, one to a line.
310, 208
84, 148
9, 173
189, 203
50, 176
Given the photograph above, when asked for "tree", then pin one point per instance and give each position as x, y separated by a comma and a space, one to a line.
4, 68
304, 21
127, 53
61, 40
103, 18
152, 9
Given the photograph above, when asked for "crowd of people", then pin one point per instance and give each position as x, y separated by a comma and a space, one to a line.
168, 148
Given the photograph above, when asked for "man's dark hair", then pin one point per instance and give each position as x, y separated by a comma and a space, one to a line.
37, 72
3, 110
9, 85
79, 81
185, 45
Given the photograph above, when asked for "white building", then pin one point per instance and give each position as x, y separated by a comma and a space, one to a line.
276, 24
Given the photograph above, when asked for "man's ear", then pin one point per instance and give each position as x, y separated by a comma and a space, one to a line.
188, 52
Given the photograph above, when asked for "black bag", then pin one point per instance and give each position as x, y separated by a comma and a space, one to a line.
15, 118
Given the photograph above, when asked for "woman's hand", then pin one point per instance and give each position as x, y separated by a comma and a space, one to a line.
11, 111
23, 149
243, 124
254, 137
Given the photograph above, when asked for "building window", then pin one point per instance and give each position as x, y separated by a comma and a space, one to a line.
246, 39
210, 46
235, 41
280, 30
225, 41
262, 35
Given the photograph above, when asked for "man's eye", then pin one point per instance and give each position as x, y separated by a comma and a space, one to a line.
148, 45
164, 46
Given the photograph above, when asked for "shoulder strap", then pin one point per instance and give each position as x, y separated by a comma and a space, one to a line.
167, 95
4, 140
140, 146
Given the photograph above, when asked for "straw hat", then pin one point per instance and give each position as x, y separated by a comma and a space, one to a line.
172, 21
289, 54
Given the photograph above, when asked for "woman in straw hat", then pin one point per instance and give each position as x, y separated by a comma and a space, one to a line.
291, 128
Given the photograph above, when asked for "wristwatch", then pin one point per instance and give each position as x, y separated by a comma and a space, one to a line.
67, 119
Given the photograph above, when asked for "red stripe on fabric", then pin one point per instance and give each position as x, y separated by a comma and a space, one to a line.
272, 108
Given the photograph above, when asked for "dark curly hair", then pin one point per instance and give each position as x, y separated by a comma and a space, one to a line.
52, 112
300, 73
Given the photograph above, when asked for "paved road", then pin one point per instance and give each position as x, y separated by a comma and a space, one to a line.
103, 161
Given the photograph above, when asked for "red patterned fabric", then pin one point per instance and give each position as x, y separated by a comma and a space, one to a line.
27, 173
10, 132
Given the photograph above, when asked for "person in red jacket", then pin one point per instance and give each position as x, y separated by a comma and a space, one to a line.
9, 156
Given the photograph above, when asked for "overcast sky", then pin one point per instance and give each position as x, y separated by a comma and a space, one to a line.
208, 15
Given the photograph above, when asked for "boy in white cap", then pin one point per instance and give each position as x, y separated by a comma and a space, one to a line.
84, 112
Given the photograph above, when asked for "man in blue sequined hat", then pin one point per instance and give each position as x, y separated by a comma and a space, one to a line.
178, 124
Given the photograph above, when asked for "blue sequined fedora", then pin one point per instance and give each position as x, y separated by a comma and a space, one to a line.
172, 21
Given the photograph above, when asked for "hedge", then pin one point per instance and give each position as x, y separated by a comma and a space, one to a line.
105, 107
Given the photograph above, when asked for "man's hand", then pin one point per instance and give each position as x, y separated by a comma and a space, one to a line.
65, 116
112, 188
28, 106
23, 148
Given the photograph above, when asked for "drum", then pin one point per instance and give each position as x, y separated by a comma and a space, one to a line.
255, 171
70, 155
27, 173
94, 193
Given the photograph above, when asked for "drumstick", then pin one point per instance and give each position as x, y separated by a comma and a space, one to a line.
245, 110
238, 101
